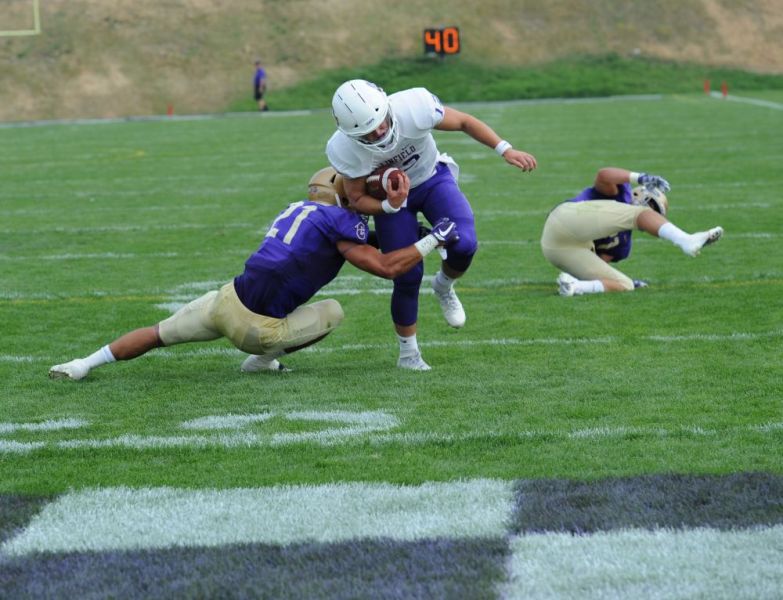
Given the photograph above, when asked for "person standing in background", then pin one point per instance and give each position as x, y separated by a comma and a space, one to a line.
259, 86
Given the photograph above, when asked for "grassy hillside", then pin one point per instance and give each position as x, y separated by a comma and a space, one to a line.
572, 77
95, 58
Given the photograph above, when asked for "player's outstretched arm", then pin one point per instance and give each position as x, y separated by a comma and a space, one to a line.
393, 264
455, 120
608, 178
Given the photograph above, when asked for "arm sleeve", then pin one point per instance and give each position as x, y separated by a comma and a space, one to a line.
347, 157
420, 107
349, 226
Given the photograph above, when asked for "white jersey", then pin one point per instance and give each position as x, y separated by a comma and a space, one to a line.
416, 113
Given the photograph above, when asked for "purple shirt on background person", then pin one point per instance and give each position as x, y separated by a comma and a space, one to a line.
617, 246
259, 77
298, 257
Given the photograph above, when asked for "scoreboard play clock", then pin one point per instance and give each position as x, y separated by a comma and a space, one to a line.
442, 41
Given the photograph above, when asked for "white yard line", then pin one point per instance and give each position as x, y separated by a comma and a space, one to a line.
510, 341
745, 100
353, 428
127, 519
638, 563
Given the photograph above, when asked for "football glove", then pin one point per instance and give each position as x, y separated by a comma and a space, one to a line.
654, 182
445, 231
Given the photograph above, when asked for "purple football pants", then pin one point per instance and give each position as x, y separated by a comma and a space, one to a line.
436, 198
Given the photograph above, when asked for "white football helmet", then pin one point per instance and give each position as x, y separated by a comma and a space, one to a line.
359, 108
654, 198
326, 187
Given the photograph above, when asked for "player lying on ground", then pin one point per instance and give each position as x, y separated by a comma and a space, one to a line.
262, 311
584, 234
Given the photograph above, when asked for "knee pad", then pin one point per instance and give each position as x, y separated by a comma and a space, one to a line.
331, 311
460, 255
405, 298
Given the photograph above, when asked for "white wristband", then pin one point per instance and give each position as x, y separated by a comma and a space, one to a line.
426, 245
388, 208
633, 178
502, 146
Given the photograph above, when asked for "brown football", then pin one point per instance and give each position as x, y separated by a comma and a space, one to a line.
380, 181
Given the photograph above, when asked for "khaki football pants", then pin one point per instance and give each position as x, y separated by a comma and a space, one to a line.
569, 231
221, 314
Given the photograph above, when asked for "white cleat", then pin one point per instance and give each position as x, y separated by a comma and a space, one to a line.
76, 369
414, 363
565, 284
255, 363
697, 241
566, 277
451, 306
566, 288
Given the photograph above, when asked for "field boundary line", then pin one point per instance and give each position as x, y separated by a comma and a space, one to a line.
370, 434
736, 336
311, 111
745, 100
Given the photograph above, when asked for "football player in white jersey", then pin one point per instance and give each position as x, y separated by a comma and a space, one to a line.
375, 130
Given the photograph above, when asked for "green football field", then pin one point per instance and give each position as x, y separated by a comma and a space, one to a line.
615, 432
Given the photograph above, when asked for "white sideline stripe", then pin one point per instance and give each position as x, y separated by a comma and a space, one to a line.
107, 256
590, 433
744, 100
633, 563
307, 112
128, 519
355, 424
374, 432
323, 349
753, 235
17, 359
556, 341
12, 447
325, 437
126, 228
49, 425
374, 420
226, 421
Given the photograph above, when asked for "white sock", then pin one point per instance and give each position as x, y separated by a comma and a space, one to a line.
408, 345
593, 286
100, 357
674, 234
442, 283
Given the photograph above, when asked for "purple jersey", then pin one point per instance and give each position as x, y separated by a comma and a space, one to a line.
297, 258
617, 246
258, 77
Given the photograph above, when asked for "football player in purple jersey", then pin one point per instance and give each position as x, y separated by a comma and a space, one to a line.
583, 235
375, 130
263, 311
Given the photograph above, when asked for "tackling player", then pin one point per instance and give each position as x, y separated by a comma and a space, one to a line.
262, 311
375, 130
584, 234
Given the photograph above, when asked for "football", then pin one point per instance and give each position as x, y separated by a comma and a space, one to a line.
382, 180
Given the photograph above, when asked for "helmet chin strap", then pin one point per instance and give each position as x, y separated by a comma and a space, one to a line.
384, 143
